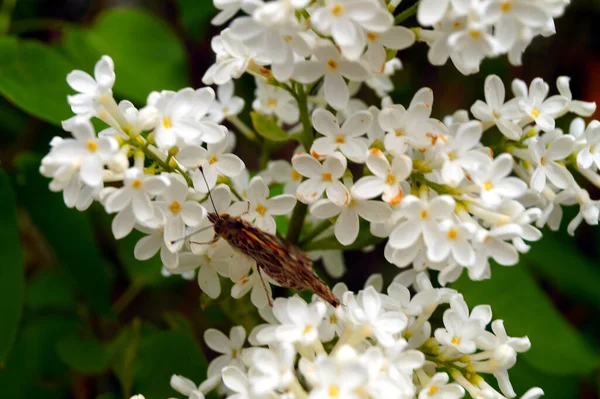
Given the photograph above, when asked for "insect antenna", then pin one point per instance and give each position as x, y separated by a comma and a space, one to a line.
209, 194
185, 237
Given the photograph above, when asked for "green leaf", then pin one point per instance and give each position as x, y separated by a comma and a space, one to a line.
51, 290
33, 77
557, 348
163, 354
194, 19
85, 355
69, 233
123, 351
268, 128
147, 272
567, 268
12, 278
148, 55
523, 377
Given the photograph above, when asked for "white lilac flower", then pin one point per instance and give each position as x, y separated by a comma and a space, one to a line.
273, 100
272, 369
344, 20
259, 208
453, 240
91, 89
395, 38
335, 379
590, 153
422, 218
431, 12
321, 177
138, 189
460, 153
472, 44
283, 172
386, 178
214, 162
495, 182
581, 108
438, 388
179, 212
347, 138
328, 63
298, 322
547, 167
496, 110
347, 223
252, 283
226, 104
186, 387
182, 118
85, 152
231, 7
230, 349
541, 109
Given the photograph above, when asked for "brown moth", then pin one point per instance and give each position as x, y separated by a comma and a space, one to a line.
284, 262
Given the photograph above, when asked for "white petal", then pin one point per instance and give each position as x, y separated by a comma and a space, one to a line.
374, 211
281, 204
209, 281
336, 90
346, 227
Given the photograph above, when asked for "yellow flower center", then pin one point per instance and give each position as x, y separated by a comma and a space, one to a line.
488, 185
92, 146
261, 210
506, 6
334, 391
337, 9
340, 139
432, 390
535, 112
331, 64
288, 38
542, 161
271, 102
451, 155
326, 176
295, 175
212, 160
175, 207
307, 330
371, 36
391, 179
234, 353
455, 341
452, 233
137, 183
475, 34
424, 214
457, 25
167, 122
332, 319
399, 132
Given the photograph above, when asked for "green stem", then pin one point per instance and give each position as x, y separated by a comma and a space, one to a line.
306, 138
243, 128
295, 227
404, 15
128, 296
321, 227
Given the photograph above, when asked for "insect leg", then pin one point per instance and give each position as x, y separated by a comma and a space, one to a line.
206, 243
259, 269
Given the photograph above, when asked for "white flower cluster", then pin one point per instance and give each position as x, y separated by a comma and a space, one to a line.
469, 31
379, 346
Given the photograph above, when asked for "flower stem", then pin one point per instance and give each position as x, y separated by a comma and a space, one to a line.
404, 15
243, 128
321, 227
306, 138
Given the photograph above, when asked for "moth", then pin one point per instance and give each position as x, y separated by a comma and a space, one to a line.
284, 262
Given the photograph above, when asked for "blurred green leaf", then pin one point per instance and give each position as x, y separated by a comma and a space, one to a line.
34, 356
84, 355
148, 55
147, 272
268, 128
32, 76
556, 347
523, 377
195, 19
178, 322
123, 351
567, 268
163, 354
12, 277
51, 289
107, 396
69, 233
